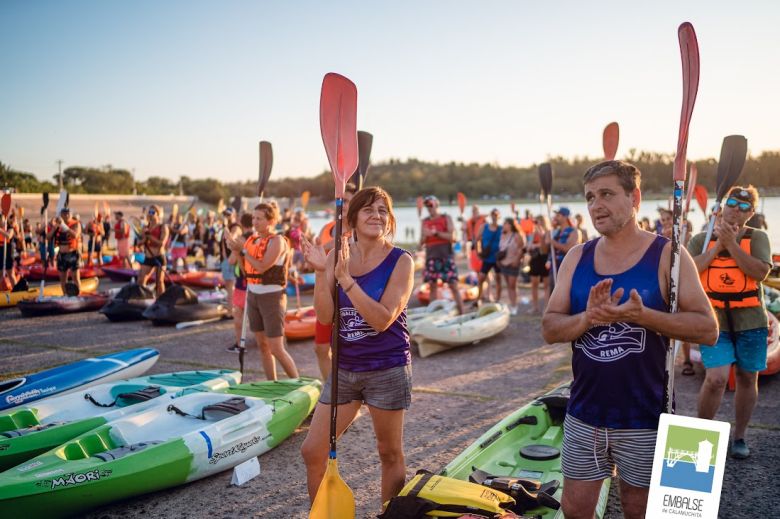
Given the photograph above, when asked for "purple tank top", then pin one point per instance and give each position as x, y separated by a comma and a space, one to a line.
362, 347
619, 369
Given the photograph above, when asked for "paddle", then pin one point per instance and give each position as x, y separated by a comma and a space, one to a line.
365, 140
45, 250
610, 140
546, 182
5, 203
266, 163
689, 51
236, 204
419, 207
338, 125
461, 203
62, 202
700, 192
305, 200
190, 324
94, 226
733, 153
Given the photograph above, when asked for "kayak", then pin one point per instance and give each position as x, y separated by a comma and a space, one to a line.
525, 444
439, 309
36, 273
200, 279
299, 324
170, 444
120, 274
76, 376
467, 292
180, 304
305, 284
28, 431
440, 335
772, 281
772, 347
54, 289
57, 305
129, 303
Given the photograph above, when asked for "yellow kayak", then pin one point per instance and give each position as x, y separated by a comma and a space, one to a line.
773, 282
52, 289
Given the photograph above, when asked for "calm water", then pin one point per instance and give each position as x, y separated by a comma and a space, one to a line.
407, 216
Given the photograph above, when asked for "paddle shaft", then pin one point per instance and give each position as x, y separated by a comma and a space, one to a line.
552, 249
190, 324
334, 340
44, 251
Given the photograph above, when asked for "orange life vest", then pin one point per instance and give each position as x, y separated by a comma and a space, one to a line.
276, 274
472, 226
326, 234
61, 238
438, 224
725, 283
120, 230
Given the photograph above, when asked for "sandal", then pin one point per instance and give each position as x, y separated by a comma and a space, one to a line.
688, 368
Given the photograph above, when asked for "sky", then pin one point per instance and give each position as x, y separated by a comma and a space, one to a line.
172, 88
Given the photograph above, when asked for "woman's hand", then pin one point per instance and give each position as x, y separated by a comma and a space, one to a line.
233, 244
315, 254
342, 265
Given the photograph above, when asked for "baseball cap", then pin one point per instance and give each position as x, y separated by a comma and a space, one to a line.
564, 211
228, 211
65, 210
430, 200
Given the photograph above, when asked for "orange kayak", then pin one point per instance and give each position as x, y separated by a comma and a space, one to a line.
467, 292
299, 324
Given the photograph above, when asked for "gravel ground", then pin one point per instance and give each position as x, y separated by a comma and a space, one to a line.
457, 396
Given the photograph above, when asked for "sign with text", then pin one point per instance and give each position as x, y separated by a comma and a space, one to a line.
690, 456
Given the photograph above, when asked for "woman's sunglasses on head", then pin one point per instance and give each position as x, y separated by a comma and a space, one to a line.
743, 206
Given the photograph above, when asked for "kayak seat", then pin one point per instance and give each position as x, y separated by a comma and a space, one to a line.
556, 405
217, 411
129, 398
119, 452
21, 286
27, 430
487, 310
527, 493
18, 420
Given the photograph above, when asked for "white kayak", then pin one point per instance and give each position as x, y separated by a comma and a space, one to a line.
439, 309
444, 334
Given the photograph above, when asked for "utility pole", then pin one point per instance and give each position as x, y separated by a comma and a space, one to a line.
135, 190
59, 168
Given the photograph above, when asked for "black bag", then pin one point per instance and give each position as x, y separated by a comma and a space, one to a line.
484, 253
501, 255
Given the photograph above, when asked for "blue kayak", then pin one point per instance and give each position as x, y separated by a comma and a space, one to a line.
305, 283
73, 377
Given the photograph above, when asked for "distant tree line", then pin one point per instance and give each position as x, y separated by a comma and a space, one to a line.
404, 180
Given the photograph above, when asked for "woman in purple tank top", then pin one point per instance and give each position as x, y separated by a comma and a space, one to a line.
375, 281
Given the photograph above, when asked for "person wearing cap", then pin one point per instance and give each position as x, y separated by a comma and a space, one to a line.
122, 235
229, 228
437, 236
564, 236
737, 259
611, 302
66, 234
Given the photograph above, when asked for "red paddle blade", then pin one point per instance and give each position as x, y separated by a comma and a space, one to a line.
419, 206
610, 140
338, 125
461, 202
5, 202
694, 175
700, 192
689, 52
266, 163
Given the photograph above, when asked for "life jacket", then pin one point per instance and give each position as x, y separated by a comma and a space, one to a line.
527, 225
326, 234
62, 238
276, 274
439, 224
156, 232
121, 230
725, 283
472, 224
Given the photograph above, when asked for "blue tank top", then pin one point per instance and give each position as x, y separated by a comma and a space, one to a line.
362, 347
619, 369
491, 239
561, 235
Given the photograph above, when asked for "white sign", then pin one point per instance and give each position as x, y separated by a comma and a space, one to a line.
243, 472
690, 456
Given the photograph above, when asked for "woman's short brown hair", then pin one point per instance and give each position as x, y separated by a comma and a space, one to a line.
366, 197
270, 211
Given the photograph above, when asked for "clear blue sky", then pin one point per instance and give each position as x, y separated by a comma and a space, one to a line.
174, 88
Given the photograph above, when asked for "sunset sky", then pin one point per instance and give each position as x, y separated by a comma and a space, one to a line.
171, 88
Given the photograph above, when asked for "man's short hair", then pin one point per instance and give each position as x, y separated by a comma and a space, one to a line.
246, 220
628, 175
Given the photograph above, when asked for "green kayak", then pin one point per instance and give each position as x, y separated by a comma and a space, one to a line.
523, 450
33, 429
171, 443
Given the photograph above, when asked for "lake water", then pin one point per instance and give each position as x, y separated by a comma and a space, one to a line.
407, 216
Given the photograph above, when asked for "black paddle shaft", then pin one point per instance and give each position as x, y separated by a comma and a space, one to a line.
334, 370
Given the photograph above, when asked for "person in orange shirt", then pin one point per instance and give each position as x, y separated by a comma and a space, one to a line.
66, 233
473, 226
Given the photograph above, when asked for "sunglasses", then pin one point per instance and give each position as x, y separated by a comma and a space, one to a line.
743, 206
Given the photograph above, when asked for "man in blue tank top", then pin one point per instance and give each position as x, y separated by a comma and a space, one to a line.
611, 303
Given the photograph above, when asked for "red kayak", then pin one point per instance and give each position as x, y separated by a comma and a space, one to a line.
202, 279
35, 273
56, 305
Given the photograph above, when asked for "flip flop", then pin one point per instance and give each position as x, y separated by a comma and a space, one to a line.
688, 368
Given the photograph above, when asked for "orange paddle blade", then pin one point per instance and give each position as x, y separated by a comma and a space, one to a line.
461, 203
5, 203
700, 192
305, 199
419, 206
610, 140
334, 498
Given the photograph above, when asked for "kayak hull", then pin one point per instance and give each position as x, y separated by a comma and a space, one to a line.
8, 298
58, 305
510, 448
155, 449
299, 324
76, 376
440, 335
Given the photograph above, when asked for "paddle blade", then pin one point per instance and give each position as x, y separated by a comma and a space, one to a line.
236, 204
220, 206
5, 204
733, 153
266, 163
305, 199
365, 141
689, 52
334, 498
461, 203
546, 178
45, 202
419, 206
96, 211
338, 125
692, 177
174, 212
700, 192
610, 140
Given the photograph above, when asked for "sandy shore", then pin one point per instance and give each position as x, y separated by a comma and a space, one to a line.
457, 396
